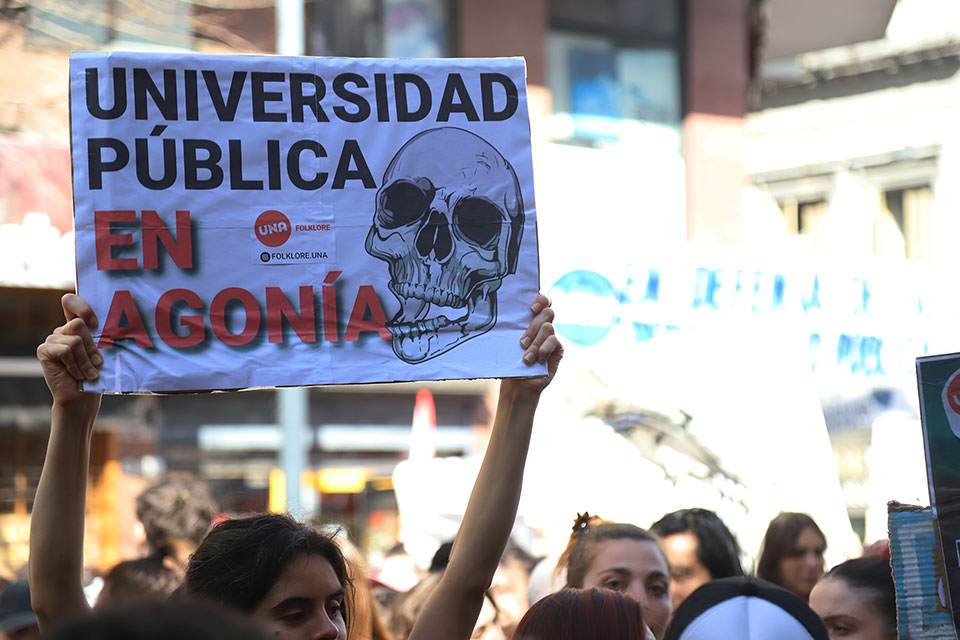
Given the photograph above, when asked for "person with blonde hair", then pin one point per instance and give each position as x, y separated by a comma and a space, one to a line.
367, 620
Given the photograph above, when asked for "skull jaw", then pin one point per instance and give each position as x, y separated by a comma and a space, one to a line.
418, 341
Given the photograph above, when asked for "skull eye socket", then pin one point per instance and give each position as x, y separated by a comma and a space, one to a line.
401, 203
478, 220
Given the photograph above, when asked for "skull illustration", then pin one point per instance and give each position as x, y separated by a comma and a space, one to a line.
449, 218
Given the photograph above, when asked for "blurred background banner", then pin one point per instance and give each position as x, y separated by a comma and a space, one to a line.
862, 323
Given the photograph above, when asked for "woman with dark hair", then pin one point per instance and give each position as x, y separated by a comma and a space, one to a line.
583, 614
262, 565
857, 600
791, 554
289, 579
621, 557
699, 548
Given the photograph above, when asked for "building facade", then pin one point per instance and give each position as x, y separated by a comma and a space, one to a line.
852, 155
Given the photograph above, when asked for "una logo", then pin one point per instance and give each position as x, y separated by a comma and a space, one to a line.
272, 228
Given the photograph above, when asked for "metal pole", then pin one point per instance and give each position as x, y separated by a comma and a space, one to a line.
292, 402
292, 416
290, 29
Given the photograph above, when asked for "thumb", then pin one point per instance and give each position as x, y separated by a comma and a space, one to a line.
76, 307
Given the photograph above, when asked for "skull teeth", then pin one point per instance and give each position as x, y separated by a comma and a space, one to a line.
432, 295
418, 328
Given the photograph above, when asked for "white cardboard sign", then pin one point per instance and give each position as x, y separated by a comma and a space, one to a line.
256, 221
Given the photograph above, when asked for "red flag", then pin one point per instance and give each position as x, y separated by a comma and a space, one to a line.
423, 438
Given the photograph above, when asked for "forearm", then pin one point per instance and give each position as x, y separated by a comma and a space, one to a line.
451, 611
492, 508
56, 525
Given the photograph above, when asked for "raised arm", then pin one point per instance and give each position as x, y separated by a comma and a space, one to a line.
67, 357
452, 610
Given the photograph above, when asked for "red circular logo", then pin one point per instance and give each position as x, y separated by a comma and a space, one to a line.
953, 394
272, 228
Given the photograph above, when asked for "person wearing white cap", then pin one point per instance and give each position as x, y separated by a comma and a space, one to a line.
17, 619
744, 608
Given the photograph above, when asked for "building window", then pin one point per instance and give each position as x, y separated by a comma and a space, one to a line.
379, 28
908, 211
416, 29
807, 218
614, 69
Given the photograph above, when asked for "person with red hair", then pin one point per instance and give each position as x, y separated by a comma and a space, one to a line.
584, 614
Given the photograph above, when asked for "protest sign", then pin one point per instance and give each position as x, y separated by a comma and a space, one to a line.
938, 378
915, 556
253, 221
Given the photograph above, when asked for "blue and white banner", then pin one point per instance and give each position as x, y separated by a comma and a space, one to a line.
860, 323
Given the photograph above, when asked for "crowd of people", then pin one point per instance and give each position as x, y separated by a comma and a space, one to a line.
271, 576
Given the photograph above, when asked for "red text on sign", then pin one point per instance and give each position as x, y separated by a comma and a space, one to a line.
153, 233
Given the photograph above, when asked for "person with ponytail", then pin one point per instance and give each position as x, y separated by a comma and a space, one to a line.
624, 558
857, 600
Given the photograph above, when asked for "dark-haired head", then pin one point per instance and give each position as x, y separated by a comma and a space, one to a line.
699, 548
717, 548
858, 593
149, 578
791, 554
176, 509
583, 614
159, 620
240, 563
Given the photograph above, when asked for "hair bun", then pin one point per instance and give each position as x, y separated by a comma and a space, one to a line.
582, 523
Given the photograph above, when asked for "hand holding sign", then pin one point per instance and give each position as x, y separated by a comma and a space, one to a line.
541, 345
69, 355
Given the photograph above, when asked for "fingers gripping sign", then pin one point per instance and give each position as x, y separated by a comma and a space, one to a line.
540, 342
69, 355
